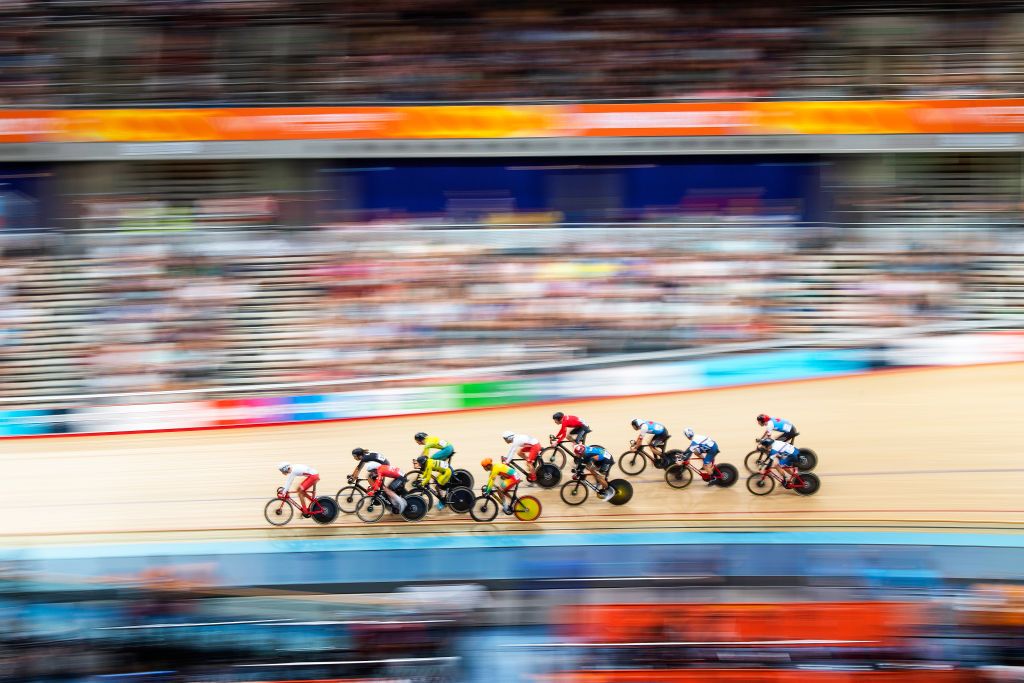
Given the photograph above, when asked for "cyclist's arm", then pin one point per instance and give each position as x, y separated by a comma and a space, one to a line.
289, 480
561, 431
358, 469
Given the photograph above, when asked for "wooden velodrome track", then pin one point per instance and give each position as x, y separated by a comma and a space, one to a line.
925, 449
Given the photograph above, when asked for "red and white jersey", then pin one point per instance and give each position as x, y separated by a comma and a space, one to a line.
298, 471
519, 441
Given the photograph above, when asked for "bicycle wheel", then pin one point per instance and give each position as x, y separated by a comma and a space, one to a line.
750, 462
623, 491
328, 511
460, 500
809, 484
415, 508
806, 460
678, 476
632, 463
553, 455
760, 485
484, 508
278, 512
574, 493
348, 498
426, 495
548, 476
727, 475
461, 478
370, 509
527, 509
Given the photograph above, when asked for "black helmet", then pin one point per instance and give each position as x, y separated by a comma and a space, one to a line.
358, 452
421, 461
420, 436
766, 441
635, 423
557, 417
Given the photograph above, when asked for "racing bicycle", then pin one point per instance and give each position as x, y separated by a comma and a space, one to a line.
634, 462
681, 474
575, 491
372, 507
763, 482
487, 506
807, 459
280, 510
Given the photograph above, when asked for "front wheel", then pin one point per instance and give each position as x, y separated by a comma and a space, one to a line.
328, 510
415, 508
460, 500
553, 455
632, 463
461, 478
809, 484
369, 509
727, 475
806, 459
527, 509
574, 492
750, 462
623, 491
278, 512
760, 485
484, 509
678, 476
348, 498
548, 476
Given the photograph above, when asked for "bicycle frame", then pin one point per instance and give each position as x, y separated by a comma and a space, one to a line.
687, 461
794, 478
299, 506
560, 445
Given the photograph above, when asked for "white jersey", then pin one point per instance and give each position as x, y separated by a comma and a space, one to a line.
298, 471
518, 441
701, 443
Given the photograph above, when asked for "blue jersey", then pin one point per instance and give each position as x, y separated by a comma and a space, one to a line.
655, 428
704, 444
785, 452
596, 453
779, 425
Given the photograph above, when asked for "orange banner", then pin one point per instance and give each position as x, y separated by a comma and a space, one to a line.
510, 121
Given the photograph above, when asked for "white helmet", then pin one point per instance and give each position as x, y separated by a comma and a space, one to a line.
283, 466
507, 436
688, 433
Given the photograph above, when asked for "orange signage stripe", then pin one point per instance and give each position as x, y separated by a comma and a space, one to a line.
511, 121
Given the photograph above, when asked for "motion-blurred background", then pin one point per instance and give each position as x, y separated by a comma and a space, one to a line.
245, 207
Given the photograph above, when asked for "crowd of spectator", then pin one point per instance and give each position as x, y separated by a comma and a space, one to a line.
187, 311
212, 52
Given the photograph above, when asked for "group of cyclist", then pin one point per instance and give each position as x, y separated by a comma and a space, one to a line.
434, 461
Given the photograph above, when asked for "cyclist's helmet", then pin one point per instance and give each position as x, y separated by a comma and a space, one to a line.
486, 463
762, 419
579, 449
507, 436
557, 417
766, 442
420, 436
636, 422
284, 467
421, 461
372, 474
358, 452
688, 433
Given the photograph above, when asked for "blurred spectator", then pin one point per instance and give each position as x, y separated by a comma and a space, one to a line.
77, 53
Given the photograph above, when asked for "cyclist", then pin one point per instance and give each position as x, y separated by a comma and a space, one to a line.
524, 446
706, 448
378, 474
436, 468
784, 453
365, 458
307, 489
576, 428
504, 477
785, 428
657, 432
599, 462
444, 449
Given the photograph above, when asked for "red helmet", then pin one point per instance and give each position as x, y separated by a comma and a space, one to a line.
762, 419
580, 449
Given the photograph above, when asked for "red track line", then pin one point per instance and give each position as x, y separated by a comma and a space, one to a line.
528, 404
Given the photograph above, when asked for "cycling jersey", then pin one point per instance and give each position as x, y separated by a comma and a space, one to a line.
443, 448
444, 473
299, 471
596, 453
777, 424
785, 452
704, 445
520, 441
655, 428
504, 472
374, 457
384, 472
569, 422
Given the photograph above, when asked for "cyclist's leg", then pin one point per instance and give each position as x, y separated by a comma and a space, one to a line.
396, 499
